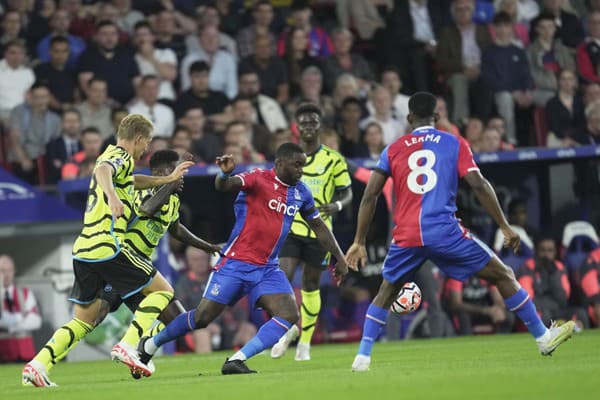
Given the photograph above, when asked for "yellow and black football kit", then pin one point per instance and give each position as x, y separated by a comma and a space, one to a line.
100, 257
325, 173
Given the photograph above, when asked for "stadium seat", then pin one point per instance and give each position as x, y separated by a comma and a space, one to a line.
579, 238
510, 258
541, 129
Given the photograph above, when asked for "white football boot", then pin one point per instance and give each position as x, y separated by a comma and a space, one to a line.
282, 345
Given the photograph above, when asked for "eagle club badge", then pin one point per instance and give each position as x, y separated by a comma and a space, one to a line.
215, 289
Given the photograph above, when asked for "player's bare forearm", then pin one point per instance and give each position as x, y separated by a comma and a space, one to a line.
228, 184
343, 196
146, 181
183, 234
487, 197
368, 205
153, 204
325, 237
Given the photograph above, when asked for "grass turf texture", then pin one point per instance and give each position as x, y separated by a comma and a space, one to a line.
483, 367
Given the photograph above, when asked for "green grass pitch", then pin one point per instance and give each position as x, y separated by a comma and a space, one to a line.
485, 367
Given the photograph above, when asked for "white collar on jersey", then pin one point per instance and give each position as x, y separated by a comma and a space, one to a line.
423, 128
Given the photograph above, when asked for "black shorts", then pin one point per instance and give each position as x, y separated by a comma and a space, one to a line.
125, 275
307, 250
114, 300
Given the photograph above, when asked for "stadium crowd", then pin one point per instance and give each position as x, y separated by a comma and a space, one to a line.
225, 77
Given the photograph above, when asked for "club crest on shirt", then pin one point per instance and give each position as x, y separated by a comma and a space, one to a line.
297, 195
276, 186
215, 289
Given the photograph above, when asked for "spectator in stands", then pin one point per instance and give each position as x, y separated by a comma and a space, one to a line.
15, 77
390, 79
527, 10
127, 17
591, 93
82, 18
270, 69
153, 61
237, 134
547, 56
319, 43
57, 75
348, 127
569, 29
59, 24
382, 106
209, 16
12, 29
166, 33
372, 142
497, 122
330, 138
108, 12
181, 141
206, 145
474, 302
91, 143
64, 147
589, 281
506, 72
262, 17
520, 29
95, 110
365, 16
190, 288
297, 58
110, 62
490, 141
565, 112
199, 94
343, 61
411, 40
267, 111
38, 24
244, 112
223, 69
311, 83
280, 137
546, 281
19, 316
345, 86
32, 126
147, 104
591, 133
158, 143
588, 52
459, 57
474, 134
443, 123
519, 216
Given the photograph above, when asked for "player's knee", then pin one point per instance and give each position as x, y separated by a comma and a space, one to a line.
290, 315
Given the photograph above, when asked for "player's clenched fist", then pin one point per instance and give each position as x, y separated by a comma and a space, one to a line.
511, 239
116, 206
226, 163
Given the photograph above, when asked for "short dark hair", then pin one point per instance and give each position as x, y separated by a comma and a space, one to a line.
143, 24
163, 158
502, 18
105, 22
246, 71
233, 123
545, 16
351, 100
149, 77
298, 5
199, 66
95, 79
262, 3
117, 110
514, 204
71, 111
39, 84
92, 130
287, 150
239, 98
308, 108
422, 104
390, 68
59, 39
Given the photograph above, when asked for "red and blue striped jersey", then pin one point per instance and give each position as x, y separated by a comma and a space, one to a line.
425, 166
264, 211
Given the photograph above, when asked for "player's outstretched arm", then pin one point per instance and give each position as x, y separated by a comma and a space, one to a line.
104, 176
224, 182
487, 197
154, 203
329, 243
146, 181
357, 253
340, 200
183, 234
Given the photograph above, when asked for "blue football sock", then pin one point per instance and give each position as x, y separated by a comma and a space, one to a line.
181, 325
522, 305
374, 323
268, 334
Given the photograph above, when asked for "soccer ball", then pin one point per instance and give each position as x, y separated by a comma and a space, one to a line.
408, 300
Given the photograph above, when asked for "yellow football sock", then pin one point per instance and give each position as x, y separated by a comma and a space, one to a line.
309, 312
63, 340
155, 329
144, 317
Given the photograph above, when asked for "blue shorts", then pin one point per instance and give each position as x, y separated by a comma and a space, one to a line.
459, 256
233, 279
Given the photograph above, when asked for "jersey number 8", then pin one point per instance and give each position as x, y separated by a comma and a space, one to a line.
417, 170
